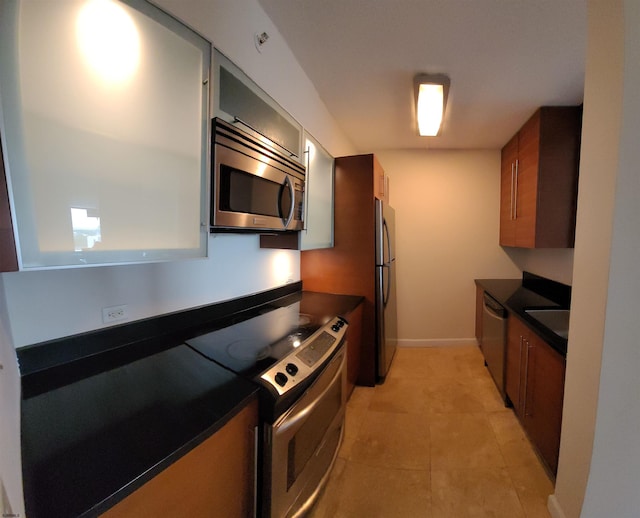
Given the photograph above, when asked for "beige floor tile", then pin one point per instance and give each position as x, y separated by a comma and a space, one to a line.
401, 395
434, 440
375, 492
392, 440
533, 487
357, 407
360, 398
410, 363
514, 444
474, 493
454, 396
462, 441
327, 503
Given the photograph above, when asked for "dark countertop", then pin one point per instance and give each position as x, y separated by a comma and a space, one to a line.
516, 295
325, 306
104, 412
89, 444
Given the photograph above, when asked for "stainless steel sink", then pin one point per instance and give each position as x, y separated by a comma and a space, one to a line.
557, 320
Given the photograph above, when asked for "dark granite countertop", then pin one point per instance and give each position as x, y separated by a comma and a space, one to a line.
105, 411
325, 306
87, 445
531, 292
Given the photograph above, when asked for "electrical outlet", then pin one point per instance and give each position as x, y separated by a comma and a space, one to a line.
114, 313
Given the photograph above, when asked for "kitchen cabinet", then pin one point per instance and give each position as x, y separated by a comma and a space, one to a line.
535, 385
216, 478
380, 182
539, 180
103, 164
318, 224
349, 267
239, 100
354, 347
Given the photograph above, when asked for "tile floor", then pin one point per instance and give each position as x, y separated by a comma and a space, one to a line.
434, 441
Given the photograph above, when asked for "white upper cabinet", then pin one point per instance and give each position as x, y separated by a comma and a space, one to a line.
237, 99
318, 231
105, 128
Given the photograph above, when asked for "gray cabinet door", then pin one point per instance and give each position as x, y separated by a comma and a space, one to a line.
241, 101
318, 228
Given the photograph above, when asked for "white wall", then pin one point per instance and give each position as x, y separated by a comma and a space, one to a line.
552, 263
49, 304
614, 480
447, 230
10, 473
602, 387
37, 306
231, 26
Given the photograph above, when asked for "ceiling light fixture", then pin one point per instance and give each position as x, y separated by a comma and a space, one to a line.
431, 92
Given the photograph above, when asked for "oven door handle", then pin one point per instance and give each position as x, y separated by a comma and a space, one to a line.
292, 421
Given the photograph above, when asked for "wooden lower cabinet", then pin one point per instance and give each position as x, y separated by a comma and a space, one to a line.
354, 347
535, 386
214, 479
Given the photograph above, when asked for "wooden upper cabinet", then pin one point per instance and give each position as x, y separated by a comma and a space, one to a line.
507, 184
8, 255
539, 180
380, 182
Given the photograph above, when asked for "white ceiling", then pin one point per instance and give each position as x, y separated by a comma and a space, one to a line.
504, 57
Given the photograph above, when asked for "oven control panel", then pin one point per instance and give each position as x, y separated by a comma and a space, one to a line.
305, 359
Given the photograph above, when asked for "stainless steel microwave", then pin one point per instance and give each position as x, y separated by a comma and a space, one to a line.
255, 186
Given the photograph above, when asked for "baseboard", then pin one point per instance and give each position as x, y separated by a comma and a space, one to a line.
554, 507
436, 342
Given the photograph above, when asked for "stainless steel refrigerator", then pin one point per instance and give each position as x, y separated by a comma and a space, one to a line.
386, 305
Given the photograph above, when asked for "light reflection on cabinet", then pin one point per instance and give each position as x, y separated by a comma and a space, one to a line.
105, 154
318, 231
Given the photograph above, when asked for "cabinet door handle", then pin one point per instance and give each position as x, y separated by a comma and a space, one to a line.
526, 380
520, 391
291, 153
515, 196
307, 186
256, 469
511, 192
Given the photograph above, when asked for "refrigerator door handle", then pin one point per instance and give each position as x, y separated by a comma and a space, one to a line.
387, 259
385, 293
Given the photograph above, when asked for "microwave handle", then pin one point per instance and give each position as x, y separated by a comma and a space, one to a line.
288, 183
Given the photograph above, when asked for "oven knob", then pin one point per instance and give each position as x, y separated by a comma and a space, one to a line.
281, 379
292, 369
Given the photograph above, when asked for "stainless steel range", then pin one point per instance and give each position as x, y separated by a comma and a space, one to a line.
300, 365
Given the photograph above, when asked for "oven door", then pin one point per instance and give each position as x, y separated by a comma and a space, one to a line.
302, 445
252, 194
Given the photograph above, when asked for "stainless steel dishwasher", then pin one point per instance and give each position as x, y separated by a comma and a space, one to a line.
494, 340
